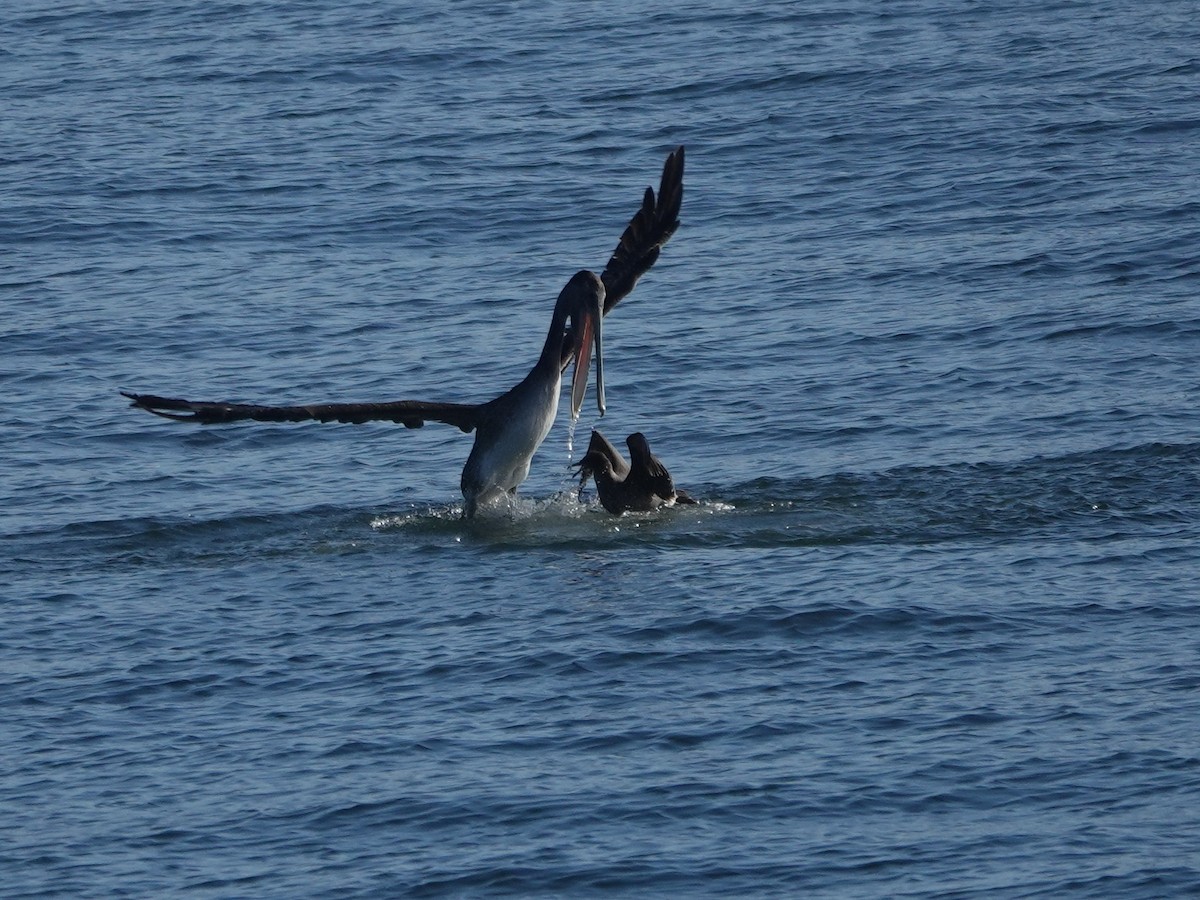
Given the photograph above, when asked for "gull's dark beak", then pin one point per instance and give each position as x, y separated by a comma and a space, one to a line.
588, 333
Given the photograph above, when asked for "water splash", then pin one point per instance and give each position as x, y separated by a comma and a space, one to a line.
571, 439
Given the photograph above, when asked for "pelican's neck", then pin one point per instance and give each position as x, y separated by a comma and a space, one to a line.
557, 352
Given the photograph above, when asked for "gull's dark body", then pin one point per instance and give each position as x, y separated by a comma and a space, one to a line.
640, 485
509, 428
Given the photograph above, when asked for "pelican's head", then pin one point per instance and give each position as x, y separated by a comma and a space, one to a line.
582, 300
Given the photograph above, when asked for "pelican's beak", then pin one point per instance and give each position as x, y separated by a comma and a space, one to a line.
588, 333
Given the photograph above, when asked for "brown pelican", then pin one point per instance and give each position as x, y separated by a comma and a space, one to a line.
639, 485
509, 428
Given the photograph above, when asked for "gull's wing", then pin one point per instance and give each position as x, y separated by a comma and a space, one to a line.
600, 444
656, 477
646, 470
650, 228
409, 413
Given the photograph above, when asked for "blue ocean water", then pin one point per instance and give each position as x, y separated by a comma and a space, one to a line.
924, 345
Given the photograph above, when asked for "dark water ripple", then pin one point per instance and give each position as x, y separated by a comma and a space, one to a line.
925, 346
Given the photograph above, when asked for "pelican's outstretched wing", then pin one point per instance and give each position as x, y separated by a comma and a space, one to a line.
637, 251
409, 413
646, 233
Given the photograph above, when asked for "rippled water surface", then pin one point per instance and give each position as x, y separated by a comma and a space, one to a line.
924, 346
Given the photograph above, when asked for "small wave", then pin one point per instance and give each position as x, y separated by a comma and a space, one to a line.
171, 541
1156, 330
1102, 493
1098, 492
